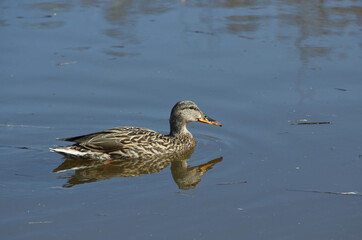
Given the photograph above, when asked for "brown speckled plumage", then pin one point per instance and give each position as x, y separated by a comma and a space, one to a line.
136, 142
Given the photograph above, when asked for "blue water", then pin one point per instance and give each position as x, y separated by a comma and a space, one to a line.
74, 67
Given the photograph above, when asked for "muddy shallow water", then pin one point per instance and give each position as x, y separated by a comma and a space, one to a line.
263, 69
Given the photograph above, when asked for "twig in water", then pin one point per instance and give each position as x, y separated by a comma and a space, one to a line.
231, 183
310, 123
22, 125
186, 194
341, 89
40, 222
328, 192
65, 63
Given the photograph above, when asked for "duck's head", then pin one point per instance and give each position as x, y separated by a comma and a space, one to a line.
187, 111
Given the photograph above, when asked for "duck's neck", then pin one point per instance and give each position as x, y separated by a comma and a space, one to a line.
178, 128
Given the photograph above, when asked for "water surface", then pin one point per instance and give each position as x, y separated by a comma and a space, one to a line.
74, 67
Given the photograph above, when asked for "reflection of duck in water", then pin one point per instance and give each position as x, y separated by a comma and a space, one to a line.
139, 143
189, 177
97, 170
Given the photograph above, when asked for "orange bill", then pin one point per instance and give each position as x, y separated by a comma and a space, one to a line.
208, 120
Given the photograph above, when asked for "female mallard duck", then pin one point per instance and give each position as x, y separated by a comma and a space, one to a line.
136, 142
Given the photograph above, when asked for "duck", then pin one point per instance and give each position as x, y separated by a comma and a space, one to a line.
138, 142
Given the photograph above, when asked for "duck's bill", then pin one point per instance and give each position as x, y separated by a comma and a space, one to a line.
208, 120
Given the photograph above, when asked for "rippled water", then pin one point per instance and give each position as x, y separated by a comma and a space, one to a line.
259, 67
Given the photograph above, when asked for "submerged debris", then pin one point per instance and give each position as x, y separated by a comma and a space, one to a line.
231, 183
310, 123
40, 222
66, 63
341, 89
327, 192
246, 37
203, 32
305, 122
23, 147
22, 125
186, 194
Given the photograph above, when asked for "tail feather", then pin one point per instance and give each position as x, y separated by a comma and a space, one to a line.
68, 151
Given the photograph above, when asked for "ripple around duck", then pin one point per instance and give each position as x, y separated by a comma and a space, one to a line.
207, 146
220, 142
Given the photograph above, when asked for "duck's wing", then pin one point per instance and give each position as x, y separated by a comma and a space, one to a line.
121, 138
84, 138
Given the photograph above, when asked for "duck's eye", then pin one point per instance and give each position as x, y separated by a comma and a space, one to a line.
192, 108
